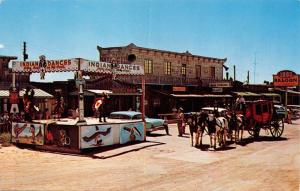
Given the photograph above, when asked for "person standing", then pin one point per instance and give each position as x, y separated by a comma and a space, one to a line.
102, 107
180, 119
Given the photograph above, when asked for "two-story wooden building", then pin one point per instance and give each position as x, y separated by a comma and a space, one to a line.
173, 79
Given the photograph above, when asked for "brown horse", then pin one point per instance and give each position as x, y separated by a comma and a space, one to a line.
236, 124
197, 123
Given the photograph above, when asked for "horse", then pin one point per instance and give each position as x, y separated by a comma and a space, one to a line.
236, 123
217, 128
197, 123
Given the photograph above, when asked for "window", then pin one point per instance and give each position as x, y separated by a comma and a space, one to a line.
198, 71
148, 66
168, 68
212, 72
265, 108
258, 109
183, 69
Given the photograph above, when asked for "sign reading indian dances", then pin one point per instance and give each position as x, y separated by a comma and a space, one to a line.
64, 65
105, 67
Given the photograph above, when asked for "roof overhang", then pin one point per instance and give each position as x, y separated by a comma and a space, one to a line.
200, 96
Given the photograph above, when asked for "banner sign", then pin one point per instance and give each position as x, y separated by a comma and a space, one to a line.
179, 89
285, 78
65, 65
220, 85
105, 67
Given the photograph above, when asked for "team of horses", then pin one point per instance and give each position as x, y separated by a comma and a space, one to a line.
219, 128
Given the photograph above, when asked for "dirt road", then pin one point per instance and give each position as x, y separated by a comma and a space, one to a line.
161, 163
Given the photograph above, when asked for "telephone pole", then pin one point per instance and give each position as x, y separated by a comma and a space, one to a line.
25, 55
254, 71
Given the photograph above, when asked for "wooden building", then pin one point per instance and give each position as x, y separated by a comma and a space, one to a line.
173, 79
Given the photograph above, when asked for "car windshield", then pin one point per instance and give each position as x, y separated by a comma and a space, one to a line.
119, 116
138, 116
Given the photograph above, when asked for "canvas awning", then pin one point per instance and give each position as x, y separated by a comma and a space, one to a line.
246, 94
270, 94
38, 93
200, 96
93, 92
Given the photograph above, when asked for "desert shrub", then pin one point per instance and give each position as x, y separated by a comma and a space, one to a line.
5, 139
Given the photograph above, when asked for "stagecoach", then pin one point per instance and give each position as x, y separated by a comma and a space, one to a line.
259, 115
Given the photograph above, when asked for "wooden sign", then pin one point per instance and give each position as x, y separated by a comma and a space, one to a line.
220, 85
179, 89
65, 65
285, 78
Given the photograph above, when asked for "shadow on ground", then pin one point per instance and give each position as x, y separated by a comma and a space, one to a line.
93, 152
251, 139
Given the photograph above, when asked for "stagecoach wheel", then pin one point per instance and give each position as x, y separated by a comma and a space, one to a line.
277, 128
251, 131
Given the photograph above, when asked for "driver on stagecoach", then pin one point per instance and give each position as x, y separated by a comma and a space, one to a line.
240, 104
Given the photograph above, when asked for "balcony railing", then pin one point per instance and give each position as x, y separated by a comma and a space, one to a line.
169, 80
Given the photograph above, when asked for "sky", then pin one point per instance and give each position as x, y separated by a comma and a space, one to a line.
265, 32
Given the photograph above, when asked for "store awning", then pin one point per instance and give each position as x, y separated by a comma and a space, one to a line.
246, 94
100, 92
270, 94
200, 96
4, 93
93, 92
38, 93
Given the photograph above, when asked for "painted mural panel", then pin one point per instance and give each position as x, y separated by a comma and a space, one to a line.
65, 136
130, 132
97, 135
28, 133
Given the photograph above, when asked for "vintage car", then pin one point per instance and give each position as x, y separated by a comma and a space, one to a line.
152, 124
280, 111
295, 110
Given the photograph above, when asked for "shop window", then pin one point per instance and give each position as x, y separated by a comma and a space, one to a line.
148, 66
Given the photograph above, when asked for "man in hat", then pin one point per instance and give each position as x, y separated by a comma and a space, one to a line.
103, 107
180, 119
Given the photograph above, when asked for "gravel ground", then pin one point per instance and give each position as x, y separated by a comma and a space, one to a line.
161, 163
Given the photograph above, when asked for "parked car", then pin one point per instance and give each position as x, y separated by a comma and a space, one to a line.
281, 111
152, 124
295, 109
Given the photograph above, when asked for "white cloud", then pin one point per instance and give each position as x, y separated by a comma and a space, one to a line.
1, 1
1, 45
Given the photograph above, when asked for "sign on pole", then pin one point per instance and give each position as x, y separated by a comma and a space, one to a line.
285, 78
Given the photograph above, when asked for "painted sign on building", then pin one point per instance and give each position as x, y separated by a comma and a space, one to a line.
220, 85
179, 89
64, 65
105, 67
285, 78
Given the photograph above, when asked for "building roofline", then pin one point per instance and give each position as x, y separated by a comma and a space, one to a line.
187, 53
10, 57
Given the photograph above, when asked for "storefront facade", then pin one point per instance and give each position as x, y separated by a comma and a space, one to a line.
168, 74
